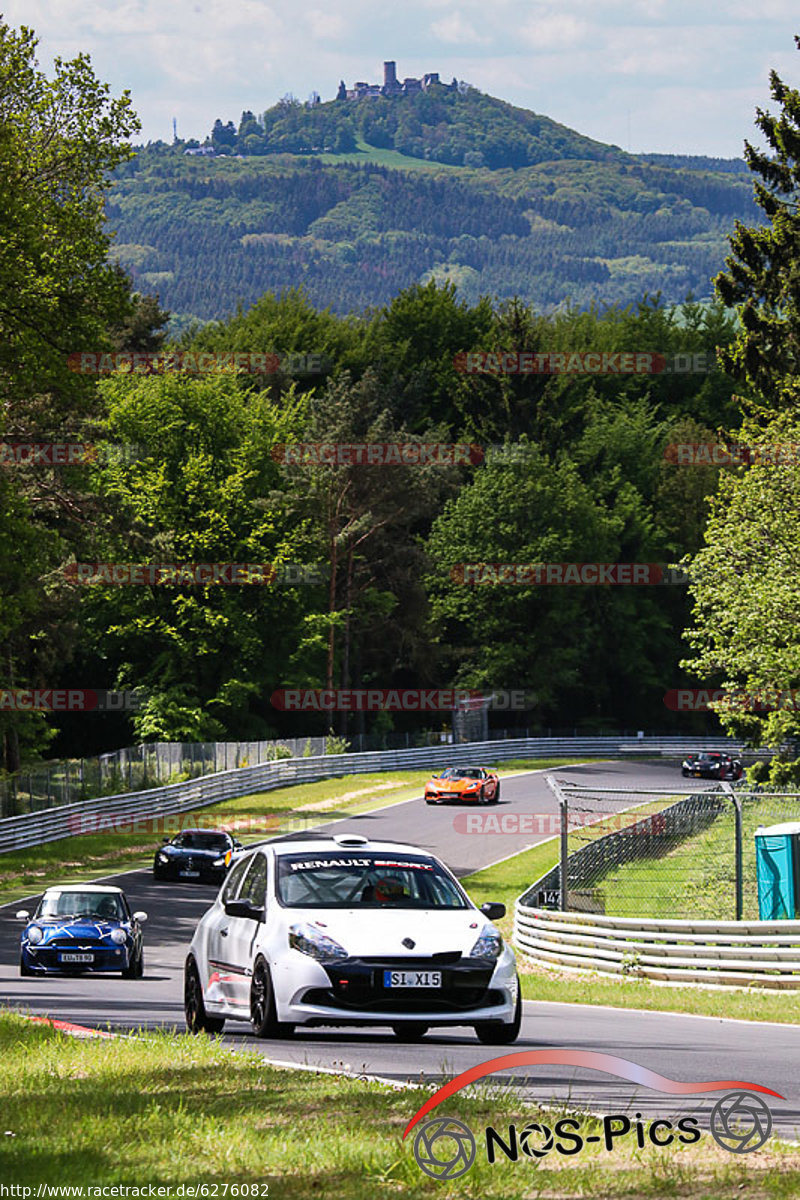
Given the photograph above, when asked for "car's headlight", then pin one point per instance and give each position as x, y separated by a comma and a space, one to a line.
488, 945
162, 857
35, 935
119, 936
309, 940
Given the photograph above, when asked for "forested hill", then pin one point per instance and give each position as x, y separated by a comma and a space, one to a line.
462, 127
361, 208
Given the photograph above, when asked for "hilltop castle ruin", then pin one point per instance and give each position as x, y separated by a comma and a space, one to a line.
392, 86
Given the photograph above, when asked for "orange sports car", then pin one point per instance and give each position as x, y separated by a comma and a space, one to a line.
463, 783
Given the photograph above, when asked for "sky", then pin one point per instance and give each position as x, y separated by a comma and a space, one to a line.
663, 76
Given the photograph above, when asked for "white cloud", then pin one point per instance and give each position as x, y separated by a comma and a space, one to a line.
554, 32
453, 28
325, 25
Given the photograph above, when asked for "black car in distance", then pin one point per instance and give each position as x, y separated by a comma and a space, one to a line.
195, 854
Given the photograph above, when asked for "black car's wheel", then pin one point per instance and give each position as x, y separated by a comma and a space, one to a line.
502, 1035
197, 1019
684, 773
410, 1031
263, 1017
24, 969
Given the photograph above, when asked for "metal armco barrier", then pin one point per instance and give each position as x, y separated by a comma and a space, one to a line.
52, 824
738, 953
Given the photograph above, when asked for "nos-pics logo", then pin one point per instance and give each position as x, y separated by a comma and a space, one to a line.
446, 1148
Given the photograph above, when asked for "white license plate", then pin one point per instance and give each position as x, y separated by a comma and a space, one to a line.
412, 979
76, 958
190, 874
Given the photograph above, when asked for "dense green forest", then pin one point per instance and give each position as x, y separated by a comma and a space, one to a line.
356, 200
576, 467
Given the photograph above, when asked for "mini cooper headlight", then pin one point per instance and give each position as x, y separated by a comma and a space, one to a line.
35, 935
119, 936
488, 945
315, 944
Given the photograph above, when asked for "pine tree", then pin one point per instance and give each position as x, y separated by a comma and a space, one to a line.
763, 273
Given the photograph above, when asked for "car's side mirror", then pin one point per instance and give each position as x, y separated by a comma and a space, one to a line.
166, 839
244, 908
493, 910
23, 915
237, 845
141, 917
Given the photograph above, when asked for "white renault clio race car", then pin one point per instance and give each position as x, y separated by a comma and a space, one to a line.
319, 930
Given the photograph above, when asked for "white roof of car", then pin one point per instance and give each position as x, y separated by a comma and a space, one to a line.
85, 887
338, 843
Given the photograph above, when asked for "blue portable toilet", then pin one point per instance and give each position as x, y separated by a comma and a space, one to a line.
778, 871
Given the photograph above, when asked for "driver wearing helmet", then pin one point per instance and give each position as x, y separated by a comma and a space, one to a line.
389, 890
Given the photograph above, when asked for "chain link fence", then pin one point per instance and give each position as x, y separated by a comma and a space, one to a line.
136, 768
680, 854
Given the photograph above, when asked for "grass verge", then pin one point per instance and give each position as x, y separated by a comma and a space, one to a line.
176, 1110
254, 817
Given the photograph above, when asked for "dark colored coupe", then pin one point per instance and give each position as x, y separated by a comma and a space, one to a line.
201, 854
712, 764
82, 928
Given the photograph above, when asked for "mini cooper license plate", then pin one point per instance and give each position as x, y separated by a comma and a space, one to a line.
69, 957
412, 979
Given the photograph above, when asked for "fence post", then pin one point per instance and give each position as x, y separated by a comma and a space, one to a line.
564, 856
563, 808
738, 846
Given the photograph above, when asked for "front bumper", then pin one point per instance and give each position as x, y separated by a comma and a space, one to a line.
452, 797
197, 871
46, 959
352, 992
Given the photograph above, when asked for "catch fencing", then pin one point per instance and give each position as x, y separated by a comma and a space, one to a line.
49, 823
677, 854
136, 768
662, 886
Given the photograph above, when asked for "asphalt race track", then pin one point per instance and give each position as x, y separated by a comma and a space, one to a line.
684, 1048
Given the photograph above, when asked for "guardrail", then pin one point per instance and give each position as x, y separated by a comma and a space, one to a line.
763, 953
49, 825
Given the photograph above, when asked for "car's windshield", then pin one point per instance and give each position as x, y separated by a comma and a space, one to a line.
197, 839
104, 906
460, 773
331, 880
